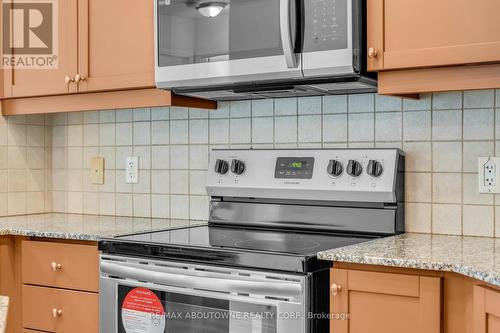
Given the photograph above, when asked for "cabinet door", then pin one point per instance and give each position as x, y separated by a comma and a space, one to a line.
4, 75
384, 303
429, 33
486, 310
375, 35
69, 266
116, 44
60, 310
41, 82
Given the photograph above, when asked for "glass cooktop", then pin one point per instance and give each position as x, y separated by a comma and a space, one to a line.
268, 249
237, 238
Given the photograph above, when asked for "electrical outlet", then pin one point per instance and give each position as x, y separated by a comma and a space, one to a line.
97, 170
132, 170
488, 171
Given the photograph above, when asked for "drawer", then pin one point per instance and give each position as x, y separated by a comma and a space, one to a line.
69, 266
56, 310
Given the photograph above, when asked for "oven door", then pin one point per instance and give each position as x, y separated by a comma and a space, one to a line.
204, 42
159, 297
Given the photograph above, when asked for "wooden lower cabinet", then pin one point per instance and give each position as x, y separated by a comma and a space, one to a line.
69, 266
10, 280
367, 301
52, 285
486, 310
59, 310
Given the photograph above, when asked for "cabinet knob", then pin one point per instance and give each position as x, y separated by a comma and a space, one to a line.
55, 266
79, 78
335, 289
56, 313
68, 79
372, 53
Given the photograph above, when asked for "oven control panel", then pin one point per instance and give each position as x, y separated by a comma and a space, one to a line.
294, 167
315, 174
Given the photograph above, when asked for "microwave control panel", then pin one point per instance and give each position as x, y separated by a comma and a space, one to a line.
326, 23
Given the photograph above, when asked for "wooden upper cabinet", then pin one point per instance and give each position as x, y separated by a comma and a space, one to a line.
115, 44
375, 34
109, 44
365, 301
486, 310
106, 50
39, 82
430, 33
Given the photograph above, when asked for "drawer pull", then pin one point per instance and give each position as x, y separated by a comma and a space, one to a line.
69, 79
55, 266
56, 313
79, 78
336, 289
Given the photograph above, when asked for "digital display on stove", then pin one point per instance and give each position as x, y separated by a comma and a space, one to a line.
294, 167
297, 165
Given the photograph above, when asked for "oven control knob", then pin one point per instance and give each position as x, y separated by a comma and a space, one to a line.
221, 167
374, 168
335, 168
354, 168
237, 167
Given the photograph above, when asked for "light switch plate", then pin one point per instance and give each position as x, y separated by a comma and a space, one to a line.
132, 170
488, 174
97, 170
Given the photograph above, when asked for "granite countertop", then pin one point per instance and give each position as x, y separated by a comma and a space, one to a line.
476, 257
84, 227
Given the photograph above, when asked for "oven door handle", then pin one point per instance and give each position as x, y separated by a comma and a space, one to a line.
286, 34
263, 288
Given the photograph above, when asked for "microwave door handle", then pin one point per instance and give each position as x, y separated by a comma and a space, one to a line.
286, 34
274, 289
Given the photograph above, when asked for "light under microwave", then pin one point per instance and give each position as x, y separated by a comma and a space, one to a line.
240, 49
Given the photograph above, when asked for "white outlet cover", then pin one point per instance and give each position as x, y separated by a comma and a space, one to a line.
132, 170
488, 169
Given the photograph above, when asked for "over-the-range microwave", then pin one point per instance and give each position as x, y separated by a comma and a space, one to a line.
247, 49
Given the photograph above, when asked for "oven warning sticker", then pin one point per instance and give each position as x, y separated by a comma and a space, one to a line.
143, 312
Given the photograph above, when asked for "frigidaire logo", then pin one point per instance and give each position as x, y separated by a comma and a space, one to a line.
30, 34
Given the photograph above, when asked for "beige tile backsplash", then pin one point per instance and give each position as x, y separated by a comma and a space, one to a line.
25, 165
44, 164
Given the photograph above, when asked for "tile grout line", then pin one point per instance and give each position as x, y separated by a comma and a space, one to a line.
322, 134
82, 170
494, 153
461, 166
432, 163
189, 163
297, 122
132, 123
150, 151
348, 117
274, 125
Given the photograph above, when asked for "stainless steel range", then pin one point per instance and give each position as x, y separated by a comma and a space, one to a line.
253, 268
